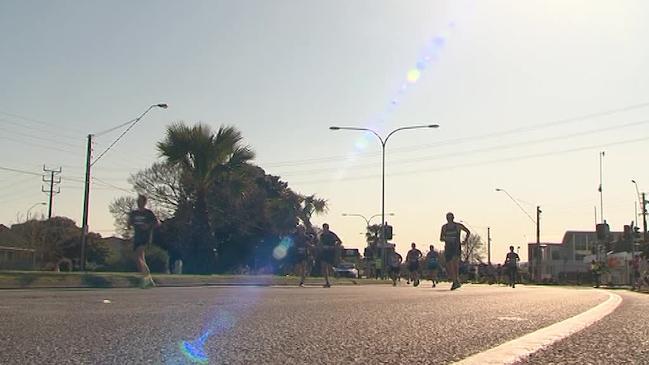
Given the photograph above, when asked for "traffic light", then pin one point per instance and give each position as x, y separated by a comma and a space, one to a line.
603, 231
628, 233
388, 232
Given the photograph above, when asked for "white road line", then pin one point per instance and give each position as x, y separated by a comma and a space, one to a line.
520, 348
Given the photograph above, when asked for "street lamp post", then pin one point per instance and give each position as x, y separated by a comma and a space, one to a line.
367, 221
383, 141
86, 191
536, 221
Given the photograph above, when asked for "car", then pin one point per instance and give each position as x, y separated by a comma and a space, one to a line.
346, 270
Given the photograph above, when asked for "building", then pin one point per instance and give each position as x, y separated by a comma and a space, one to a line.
552, 261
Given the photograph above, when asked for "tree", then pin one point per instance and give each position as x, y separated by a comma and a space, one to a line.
474, 249
201, 154
59, 238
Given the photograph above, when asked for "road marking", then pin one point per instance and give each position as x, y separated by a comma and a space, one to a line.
520, 348
515, 319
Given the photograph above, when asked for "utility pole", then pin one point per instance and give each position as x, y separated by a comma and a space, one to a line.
644, 218
53, 179
538, 225
489, 245
86, 195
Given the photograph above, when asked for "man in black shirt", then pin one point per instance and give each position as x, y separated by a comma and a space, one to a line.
302, 244
450, 235
412, 260
143, 221
511, 265
329, 245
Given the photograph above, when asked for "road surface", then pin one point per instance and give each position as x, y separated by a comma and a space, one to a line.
288, 325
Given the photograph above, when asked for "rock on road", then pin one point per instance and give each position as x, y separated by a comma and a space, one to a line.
276, 325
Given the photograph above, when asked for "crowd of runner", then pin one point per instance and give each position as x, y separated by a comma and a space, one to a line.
325, 247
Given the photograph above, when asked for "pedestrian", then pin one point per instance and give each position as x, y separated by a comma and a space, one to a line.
450, 235
412, 260
143, 221
635, 266
595, 270
302, 242
395, 267
329, 245
432, 263
511, 266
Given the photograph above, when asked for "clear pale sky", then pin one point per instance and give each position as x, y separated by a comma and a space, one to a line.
502, 78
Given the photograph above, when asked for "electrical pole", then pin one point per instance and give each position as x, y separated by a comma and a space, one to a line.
644, 217
538, 225
489, 245
51, 180
86, 195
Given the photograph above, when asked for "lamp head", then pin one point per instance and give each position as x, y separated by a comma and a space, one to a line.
334, 128
162, 105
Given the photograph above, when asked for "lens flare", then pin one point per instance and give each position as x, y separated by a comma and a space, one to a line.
194, 351
413, 75
281, 250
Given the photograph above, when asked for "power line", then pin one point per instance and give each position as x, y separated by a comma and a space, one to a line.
470, 138
29, 119
50, 131
423, 159
481, 163
20, 171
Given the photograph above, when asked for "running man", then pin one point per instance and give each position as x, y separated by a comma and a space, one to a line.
143, 222
302, 243
329, 244
511, 265
412, 260
395, 267
450, 235
432, 263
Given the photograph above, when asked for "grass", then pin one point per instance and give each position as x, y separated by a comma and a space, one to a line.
47, 279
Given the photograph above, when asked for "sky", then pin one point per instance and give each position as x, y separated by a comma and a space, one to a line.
526, 94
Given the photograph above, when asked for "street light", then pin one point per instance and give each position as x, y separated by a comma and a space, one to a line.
89, 164
383, 141
32, 207
367, 221
643, 206
536, 221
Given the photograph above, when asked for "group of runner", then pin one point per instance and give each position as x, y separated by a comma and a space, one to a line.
451, 236
326, 246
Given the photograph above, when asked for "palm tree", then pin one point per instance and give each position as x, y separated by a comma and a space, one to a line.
308, 206
202, 155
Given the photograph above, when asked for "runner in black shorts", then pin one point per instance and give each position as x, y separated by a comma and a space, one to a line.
511, 264
395, 267
329, 245
412, 260
432, 263
143, 221
450, 235
302, 244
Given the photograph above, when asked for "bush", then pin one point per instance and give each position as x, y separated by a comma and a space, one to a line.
124, 260
157, 259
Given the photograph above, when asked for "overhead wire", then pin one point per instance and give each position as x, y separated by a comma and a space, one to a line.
481, 163
468, 138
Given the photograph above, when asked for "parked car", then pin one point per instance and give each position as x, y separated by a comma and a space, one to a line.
346, 270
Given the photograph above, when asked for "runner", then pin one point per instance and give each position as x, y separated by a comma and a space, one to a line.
432, 262
395, 267
511, 265
329, 244
143, 221
595, 270
302, 243
635, 280
412, 260
450, 235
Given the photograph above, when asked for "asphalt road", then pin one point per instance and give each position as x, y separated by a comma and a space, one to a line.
280, 325
620, 338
